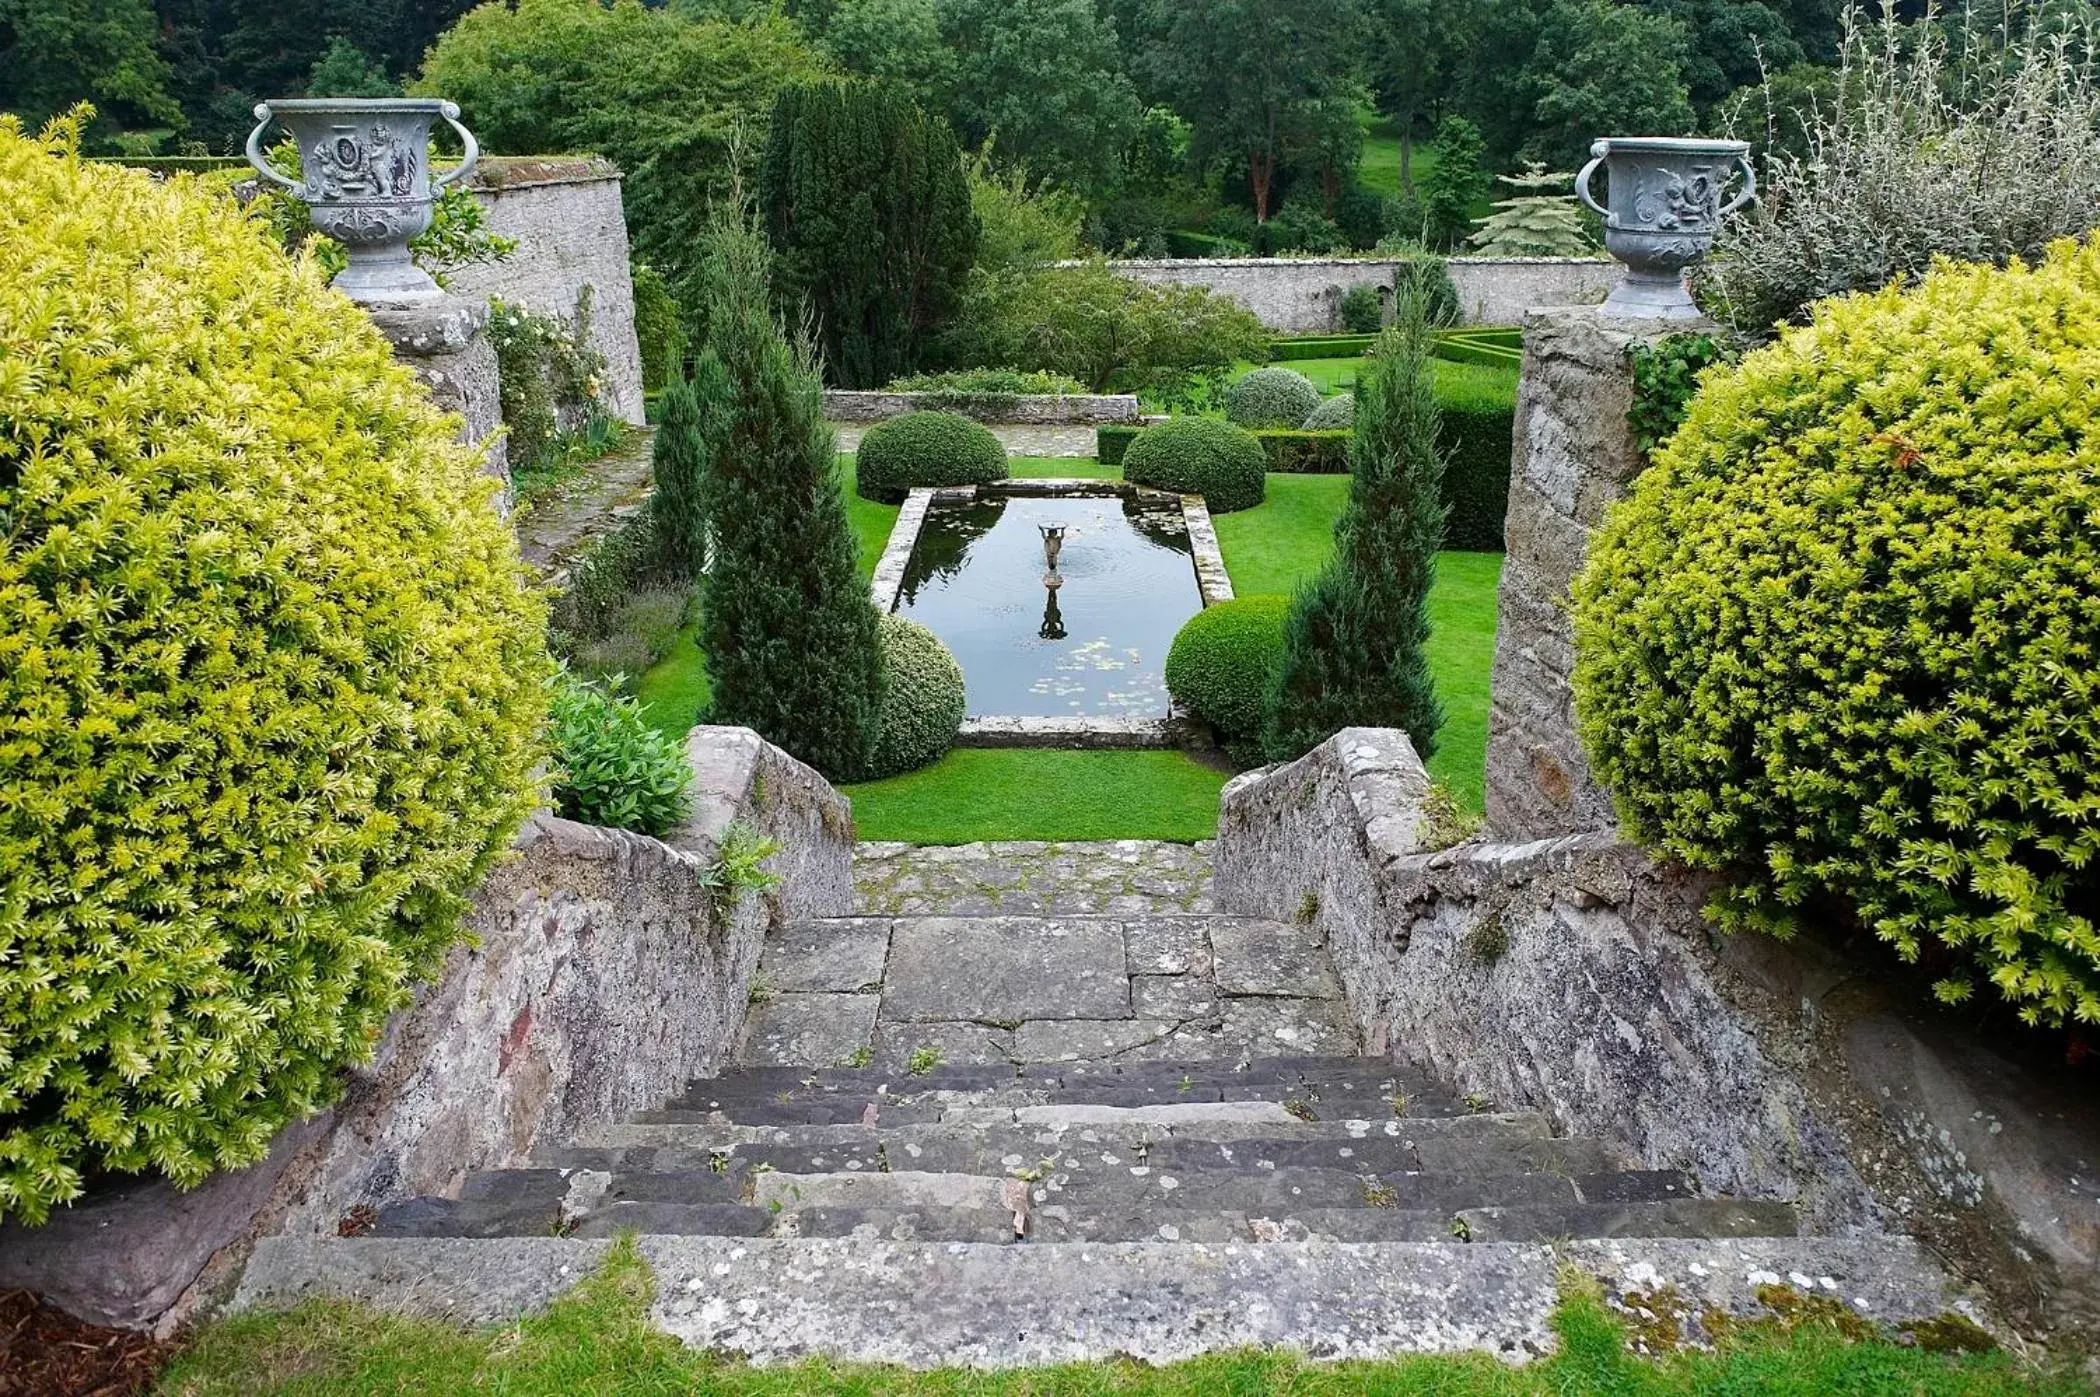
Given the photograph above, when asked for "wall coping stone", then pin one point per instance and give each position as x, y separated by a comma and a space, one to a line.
997, 409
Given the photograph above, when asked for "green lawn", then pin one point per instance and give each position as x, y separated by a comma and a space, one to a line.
1283, 541
1024, 793
598, 1339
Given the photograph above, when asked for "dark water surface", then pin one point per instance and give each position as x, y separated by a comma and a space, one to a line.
1097, 644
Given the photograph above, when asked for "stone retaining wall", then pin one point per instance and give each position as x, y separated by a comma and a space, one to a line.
571, 230
1302, 295
606, 975
1577, 977
1015, 409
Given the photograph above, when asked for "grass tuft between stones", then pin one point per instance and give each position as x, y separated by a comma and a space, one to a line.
598, 1338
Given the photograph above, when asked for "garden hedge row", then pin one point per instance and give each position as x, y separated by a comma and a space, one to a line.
1305, 453
1111, 442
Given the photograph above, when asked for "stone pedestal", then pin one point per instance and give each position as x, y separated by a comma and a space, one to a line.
443, 342
1573, 455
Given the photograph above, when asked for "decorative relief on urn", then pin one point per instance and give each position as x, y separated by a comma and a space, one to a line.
1662, 207
364, 172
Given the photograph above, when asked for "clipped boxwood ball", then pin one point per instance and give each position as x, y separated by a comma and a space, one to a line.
1336, 414
922, 699
1841, 639
926, 449
1222, 660
272, 682
1199, 456
1272, 397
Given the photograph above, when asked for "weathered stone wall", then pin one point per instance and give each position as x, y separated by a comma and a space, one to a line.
606, 975
571, 230
1022, 409
1577, 977
445, 346
1303, 295
1572, 457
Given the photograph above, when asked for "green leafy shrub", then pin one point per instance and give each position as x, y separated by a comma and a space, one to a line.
1665, 376
1271, 397
1428, 280
1111, 441
1361, 313
1222, 663
1336, 414
548, 373
1840, 640
1199, 456
1323, 452
922, 699
926, 448
612, 768
1014, 382
271, 679
1478, 417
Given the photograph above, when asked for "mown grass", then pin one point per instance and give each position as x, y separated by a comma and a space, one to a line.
1339, 376
598, 1339
1024, 793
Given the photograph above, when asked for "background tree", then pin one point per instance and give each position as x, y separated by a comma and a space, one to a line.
1047, 77
345, 70
867, 208
56, 53
665, 96
785, 622
1353, 652
1542, 219
1251, 76
1416, 47
1454, 182
1583, 78
897, 42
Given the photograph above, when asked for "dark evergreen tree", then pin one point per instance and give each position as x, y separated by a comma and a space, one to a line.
868, 208
679, 462
1354, 643
785, 620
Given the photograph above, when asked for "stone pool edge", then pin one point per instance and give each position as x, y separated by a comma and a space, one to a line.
1179, 729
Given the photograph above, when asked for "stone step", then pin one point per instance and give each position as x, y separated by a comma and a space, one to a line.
932, 1304
931, 1108
1260, 1074
1678, 1217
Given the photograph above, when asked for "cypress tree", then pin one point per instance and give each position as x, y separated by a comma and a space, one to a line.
867, 207
1353, 644
678, 461
785, 621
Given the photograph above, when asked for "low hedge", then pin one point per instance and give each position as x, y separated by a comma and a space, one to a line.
1320, 347
1478, 425
926, 448
1306, 453
1110, 442
1221, 663
923, 699
1199, 456
1465, 350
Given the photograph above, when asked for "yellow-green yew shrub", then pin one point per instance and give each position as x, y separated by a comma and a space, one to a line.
1841, 638
271, 680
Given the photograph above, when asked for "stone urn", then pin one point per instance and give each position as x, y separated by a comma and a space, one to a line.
1662, 206
365, 173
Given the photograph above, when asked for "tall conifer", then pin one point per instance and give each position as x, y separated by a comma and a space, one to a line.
786, 623
1354, 641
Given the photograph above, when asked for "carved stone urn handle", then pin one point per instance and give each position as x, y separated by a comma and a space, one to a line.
1749, 186
1582, 181
450, 111
261, 162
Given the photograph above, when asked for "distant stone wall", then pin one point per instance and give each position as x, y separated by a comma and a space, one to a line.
571, 230
1020, 409
1577, 977
605, 977
1303, 295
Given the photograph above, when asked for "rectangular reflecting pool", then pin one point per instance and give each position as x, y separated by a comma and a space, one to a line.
1095, 643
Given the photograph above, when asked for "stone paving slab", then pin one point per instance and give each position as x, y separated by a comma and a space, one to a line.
833, 956
1033, 878
897, 1046
1005, 970
808, 1030
1071, 1040
1268, 958
1168, 946
926, 1305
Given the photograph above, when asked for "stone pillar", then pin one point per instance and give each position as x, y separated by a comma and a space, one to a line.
1573, 455
442, 341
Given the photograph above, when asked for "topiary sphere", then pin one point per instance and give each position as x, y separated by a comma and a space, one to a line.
1841, 639
1222, 660
1199, 456
272, 682
926, 449
1336, 414
1274, 397
922, 699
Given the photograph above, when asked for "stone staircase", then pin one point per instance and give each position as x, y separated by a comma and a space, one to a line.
1109, 1122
